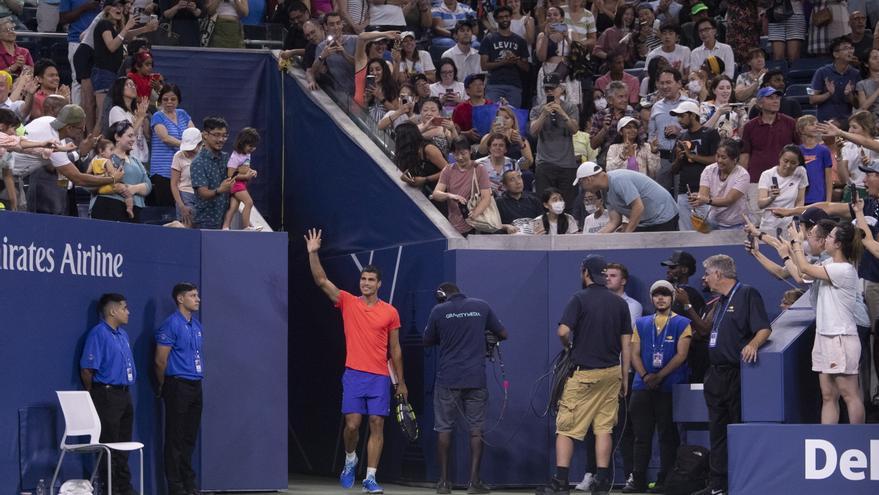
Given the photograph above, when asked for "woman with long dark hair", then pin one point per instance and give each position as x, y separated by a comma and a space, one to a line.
554, 221
127, 107
135, 182
724, 187
837, 350
648, 84
419, 159
720, 111
611, 40
782, 186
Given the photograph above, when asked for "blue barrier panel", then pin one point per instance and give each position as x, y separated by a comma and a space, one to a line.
246, 92
49, 304
803, 459
244, 288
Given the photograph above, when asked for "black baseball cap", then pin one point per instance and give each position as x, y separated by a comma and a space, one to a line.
681, 258
595, 265
813, 215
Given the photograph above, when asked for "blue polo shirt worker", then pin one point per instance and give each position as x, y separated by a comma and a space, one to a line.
179, 367
459, 326
596, 327
107, 371
740, 326
660, 344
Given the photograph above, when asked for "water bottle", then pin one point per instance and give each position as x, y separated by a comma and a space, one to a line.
41, 488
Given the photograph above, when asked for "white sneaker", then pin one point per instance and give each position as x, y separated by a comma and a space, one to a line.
586, 484
254, 228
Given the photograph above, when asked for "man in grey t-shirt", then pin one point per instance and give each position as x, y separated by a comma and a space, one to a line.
555, 123
649, 206
335, 55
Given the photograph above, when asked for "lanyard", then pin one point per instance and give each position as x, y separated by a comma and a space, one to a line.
662, 333
719, 318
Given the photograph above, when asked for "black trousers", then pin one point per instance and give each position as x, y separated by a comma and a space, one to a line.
561, 178
183, 403
723, 396
106, 208
161, 193
652, 410
117, 417
669, 226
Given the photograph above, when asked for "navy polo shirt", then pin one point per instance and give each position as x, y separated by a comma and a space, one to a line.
458, 327
868, 268
837, 106
186, 359
598, 318
737, 320
108, 352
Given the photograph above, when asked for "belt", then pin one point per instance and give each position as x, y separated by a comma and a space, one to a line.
725, 366
109, 386
666, 154
184, 380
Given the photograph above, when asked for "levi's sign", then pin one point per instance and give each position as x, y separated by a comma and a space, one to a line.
823, 460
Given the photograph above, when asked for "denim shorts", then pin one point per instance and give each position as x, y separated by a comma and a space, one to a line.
365, 393
188, 200
102, 79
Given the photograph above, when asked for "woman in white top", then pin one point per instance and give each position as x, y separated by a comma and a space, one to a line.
181, 183
555, 220
522, 24
782, 186
448, 89
852, 155
414, 61
721, 112
553, 48
837, 349
127, 107
581, 23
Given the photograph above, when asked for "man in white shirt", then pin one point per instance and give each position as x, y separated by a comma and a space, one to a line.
707, 30
677, 55
387, 15
617, 278
466, 57
48, 178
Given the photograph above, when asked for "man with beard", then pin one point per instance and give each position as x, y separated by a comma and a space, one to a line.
505, 56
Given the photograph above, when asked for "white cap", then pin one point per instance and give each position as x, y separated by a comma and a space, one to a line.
684, 107
587, 169
662, 284
623, 122
190, 139
404, 34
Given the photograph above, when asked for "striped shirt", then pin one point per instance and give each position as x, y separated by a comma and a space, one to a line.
450, 17
162, 154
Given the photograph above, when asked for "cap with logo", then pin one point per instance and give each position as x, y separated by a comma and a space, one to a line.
685, 107
595, 265
681, 258
587, 169
767, 91
551, 80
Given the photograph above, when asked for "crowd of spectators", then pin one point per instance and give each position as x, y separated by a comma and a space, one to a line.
118, 131
702, 98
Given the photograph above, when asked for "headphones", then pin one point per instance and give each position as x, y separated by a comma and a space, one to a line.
440, 295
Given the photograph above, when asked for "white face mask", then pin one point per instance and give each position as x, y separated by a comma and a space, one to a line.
600, 104
694, 86
557, 207
590, 208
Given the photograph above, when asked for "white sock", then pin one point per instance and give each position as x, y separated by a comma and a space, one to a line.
350, 457
370, 473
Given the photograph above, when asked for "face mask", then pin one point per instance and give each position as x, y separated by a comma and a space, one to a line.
600, 104
590, 208
694, 86
557, 207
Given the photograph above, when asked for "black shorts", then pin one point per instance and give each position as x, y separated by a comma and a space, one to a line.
449, 402
83, 62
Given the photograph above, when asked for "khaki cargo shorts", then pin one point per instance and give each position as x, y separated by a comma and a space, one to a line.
590, 398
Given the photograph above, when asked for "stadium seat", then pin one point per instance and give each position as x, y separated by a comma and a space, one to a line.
777, 64
802, 70
799, 93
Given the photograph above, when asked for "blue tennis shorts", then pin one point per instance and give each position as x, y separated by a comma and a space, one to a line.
365, 393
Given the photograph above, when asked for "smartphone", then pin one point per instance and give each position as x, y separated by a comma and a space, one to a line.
560, 28
370, 80
437, 121
853, 193
750, 241
404, 100
797, 222
234, 174
154, 17
450, 91
775, 182
778, 232
550, 98
689, 192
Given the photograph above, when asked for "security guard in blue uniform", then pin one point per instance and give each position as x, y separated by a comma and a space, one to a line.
179, 367
107, 371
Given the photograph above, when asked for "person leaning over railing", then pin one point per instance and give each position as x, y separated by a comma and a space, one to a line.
419, 159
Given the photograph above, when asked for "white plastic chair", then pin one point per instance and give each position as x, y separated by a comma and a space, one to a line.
81, 419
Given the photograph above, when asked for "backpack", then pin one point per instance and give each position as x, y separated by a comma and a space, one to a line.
690, 472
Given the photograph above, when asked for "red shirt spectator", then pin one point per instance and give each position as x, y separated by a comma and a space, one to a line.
12, 57
616, 73
765, 135
462, 116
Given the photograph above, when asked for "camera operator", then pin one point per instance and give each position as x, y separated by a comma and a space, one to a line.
465, 330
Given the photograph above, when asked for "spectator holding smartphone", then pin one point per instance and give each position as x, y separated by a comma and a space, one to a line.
448, 89
438, 129
782, 186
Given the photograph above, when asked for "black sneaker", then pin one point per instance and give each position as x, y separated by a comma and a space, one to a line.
601, 486
710, 491
633, 486
478, 487
555, 487
444, 487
